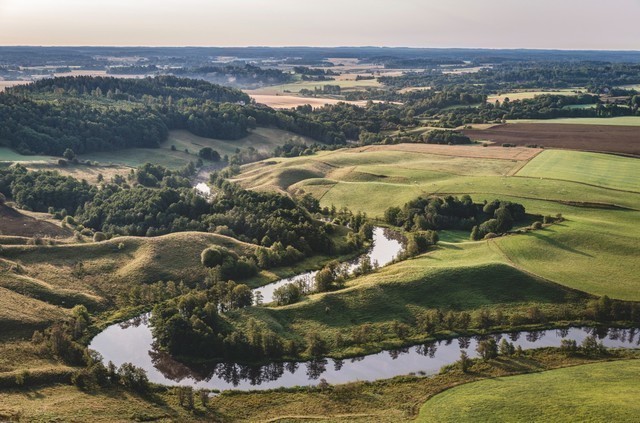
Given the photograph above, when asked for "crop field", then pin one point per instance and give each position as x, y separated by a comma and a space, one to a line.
612, 121
590, 168
591, 392
587, 137
295, 87
524, 95
279, 101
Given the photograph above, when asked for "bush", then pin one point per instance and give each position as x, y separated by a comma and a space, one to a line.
537, 225
212, 257
99, 237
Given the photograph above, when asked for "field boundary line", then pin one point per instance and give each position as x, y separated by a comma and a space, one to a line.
577, 182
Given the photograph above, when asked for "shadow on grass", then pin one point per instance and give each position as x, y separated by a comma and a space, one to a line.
558, 244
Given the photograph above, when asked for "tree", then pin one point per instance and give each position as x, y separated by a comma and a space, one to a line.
207, 153
487, 349
475, 233
506, 347
69, 154
465, 362
212, 257
324, 280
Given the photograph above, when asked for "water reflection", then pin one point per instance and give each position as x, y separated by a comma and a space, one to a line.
132, 342
386, 246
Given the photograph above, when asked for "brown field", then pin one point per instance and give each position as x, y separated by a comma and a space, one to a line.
289, 101
470, 151
600, 138
7, 84
88, 173
14, 223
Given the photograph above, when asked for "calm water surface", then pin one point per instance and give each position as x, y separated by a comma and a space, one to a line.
132, 342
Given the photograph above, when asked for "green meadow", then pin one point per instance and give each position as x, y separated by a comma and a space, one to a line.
603, 392
594, 250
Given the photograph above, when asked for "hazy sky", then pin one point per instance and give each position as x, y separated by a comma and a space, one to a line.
563, 24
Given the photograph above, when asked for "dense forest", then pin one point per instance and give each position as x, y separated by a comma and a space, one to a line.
526, 75
117, 209
95, 114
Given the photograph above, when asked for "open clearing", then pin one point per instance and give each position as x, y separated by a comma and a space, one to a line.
16, 223
602, 138
262, 139
604, 170
278, 101
523, 95
590, 392
295, 87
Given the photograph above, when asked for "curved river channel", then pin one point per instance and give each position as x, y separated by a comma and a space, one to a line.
132, 342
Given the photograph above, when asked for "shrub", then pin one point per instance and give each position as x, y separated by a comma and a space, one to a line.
537, 225
212, 257
99, 237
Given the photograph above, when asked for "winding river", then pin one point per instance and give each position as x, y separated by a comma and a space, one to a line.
132, 342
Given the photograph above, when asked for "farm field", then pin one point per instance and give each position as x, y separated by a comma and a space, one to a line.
371, 179
617, 138
612, 121
279, 101
590, 392
590, 168
523, 95
295, 87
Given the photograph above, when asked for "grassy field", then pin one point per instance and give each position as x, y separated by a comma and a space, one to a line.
613, 121
262, 139
523, 95
394, 400
594, 250
590, 168
295, 87
460, 277
8, 155
592, 392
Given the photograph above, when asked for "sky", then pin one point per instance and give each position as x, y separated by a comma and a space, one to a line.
558, 24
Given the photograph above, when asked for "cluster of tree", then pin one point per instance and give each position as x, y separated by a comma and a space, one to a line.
539, 107
304, 70
322, 90
50, 127
450, 212
133, 70
227, 264
236, 74
40, 190
167, 87
526, 74
438, 136
294, 148
197, 324
154, 176
70, 113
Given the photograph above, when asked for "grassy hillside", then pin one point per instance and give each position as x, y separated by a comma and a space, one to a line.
604, 170
262, 139
592, 392
39, 284
594, 250
458, 277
